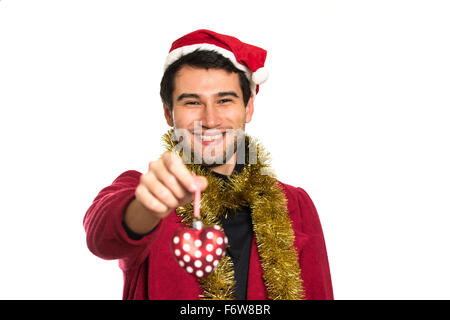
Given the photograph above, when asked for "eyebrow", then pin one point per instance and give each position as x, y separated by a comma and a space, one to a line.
196, 96
187, 95
228, 93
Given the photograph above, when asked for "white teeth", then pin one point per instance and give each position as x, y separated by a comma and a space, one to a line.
209, 138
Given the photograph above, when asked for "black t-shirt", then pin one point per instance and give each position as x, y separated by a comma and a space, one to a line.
239, 231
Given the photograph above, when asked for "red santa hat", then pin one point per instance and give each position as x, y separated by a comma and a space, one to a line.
245, 57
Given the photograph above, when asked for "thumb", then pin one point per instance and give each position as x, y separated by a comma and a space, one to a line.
201, 182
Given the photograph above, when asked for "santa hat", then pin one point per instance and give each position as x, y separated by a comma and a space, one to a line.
245, 57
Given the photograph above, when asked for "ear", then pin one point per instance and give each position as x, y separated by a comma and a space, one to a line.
249, 109
168, 115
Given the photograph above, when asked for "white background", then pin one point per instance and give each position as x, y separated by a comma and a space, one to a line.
355, 112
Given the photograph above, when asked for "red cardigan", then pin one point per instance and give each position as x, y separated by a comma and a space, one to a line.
150, 270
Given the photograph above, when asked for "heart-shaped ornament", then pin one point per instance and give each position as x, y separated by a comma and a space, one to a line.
199, 251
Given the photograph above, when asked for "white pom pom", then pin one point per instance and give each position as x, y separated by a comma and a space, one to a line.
260, 75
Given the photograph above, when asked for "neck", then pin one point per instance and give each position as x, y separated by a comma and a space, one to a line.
226, 168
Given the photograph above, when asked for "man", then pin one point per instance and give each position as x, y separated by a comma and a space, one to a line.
276, 248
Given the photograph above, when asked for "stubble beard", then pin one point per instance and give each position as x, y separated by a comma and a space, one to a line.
214, 156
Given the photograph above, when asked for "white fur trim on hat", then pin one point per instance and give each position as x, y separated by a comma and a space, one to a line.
177, 53
260, 75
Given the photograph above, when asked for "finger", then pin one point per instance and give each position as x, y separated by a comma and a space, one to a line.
160, 191
169, 181
201, 182
175, 166
150, 202
188, 198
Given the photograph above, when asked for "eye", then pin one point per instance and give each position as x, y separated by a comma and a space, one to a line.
191, 103
225, 100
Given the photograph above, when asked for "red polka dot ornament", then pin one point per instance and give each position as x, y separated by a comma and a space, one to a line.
199, 249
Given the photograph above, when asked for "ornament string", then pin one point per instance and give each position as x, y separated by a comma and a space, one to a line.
197, 223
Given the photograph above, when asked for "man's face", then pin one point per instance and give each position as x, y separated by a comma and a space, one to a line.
209, 104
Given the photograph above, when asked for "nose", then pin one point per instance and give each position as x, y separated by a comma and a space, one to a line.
211, 116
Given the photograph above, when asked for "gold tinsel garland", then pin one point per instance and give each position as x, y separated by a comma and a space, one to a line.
270, 219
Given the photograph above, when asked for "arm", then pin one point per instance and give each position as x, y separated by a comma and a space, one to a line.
314, 260
105, 234
120, 221
138, 221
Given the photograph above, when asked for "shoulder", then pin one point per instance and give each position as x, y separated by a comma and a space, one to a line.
295, 193
301, 207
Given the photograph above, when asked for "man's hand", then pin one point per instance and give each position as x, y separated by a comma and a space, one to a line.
167, 185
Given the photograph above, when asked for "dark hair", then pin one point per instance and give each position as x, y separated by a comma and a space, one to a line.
201, 59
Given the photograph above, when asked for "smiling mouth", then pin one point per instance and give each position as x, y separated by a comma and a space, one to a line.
210, 137
210, 140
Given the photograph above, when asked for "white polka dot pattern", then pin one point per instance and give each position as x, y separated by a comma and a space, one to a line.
199, 251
